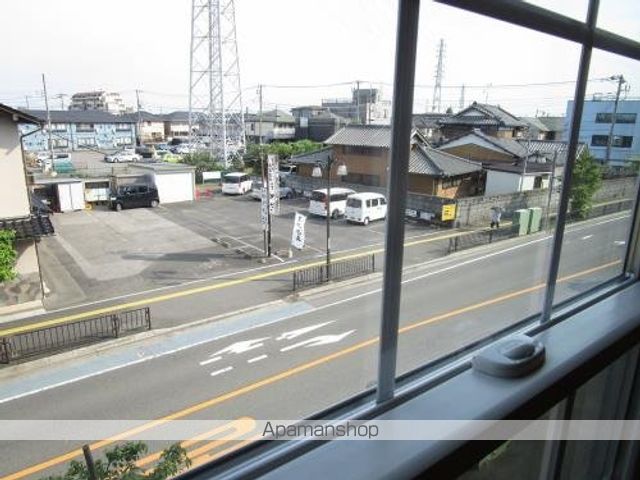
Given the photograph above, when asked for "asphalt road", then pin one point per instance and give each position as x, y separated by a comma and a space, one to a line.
293, 358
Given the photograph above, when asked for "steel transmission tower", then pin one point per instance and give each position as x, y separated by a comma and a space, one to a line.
437, 88
215, 99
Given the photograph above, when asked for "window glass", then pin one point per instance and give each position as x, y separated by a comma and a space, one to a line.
604, 182
490, 271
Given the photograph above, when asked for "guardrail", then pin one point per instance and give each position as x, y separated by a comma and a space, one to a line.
483, 237
82, 332
339, 270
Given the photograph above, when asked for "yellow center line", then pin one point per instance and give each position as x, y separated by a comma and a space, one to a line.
286, 374
238, 427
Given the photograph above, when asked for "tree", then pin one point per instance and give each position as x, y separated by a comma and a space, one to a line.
121, 464
8, 255
587, 178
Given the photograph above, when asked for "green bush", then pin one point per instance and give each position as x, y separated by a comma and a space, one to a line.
8, 255
120, 464
587, 178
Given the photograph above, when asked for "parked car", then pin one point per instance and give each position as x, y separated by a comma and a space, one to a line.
62, 163
366, 207
287, 169
137, 195
256, 193
146, 151
337, 204
126, 155
237, 183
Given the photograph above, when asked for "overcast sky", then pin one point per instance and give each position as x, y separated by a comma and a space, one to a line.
123, 45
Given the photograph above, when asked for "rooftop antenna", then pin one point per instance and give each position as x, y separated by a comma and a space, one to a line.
437, 88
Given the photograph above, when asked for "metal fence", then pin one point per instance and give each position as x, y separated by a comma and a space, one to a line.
483, 237
59, 337
339, 270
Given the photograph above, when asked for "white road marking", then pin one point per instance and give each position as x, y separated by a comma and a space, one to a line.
301, 331
620, 242
586, 237
243, 346
317, 341
257, 359
211, 360
222, 370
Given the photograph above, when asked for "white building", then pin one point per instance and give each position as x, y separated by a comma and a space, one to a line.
595, 125
98, 100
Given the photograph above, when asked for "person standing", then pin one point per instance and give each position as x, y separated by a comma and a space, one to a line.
496, 214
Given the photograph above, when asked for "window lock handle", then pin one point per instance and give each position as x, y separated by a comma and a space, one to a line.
512, 357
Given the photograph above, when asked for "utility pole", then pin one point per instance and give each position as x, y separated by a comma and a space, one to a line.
621, 80
266, 234
46, 105
461, 103
139, 125
437, 88
551, 186
358, 101
26, 98
526, 160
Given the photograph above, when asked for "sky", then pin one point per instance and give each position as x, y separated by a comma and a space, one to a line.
320, 47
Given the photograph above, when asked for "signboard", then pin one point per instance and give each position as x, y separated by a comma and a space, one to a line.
211, 176
273, 177
297, 237
410, 212
448, 212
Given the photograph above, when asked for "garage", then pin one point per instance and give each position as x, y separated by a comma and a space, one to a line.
175, 182
60, 194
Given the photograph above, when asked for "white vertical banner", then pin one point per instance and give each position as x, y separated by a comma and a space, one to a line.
273, 177
297, 237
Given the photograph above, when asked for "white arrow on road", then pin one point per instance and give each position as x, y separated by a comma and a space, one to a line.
301, 331
316, 341
243, 346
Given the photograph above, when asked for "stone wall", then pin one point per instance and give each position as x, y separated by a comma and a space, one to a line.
477, 210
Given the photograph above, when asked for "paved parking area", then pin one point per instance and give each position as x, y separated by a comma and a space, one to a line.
101, 254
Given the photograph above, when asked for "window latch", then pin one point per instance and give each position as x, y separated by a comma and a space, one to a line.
510, 358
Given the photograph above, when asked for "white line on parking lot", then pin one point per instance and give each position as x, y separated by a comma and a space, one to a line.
211, 360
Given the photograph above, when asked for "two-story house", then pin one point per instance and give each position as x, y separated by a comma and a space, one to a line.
274, 125
17, 214
491, 119
364, 150
80, 129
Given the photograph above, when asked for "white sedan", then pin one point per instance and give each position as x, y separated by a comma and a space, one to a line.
256, 193
122, 156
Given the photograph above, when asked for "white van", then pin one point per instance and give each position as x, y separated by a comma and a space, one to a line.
366, 207
338, 204
236, 183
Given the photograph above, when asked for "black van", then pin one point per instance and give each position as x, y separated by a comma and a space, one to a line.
131, 196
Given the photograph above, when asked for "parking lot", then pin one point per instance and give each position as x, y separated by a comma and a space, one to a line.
99, 253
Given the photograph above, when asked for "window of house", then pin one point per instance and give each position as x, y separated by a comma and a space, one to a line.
86, 142
85, 127
123, 127
619, 141
620, 117
59, 127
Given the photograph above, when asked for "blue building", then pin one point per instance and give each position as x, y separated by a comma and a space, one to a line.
596, 124
81, 129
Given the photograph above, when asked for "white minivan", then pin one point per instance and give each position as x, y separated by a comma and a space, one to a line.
236, 183
366, 207
337, 205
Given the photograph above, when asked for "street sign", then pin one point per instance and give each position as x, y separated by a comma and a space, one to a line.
297, 237
448, 212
